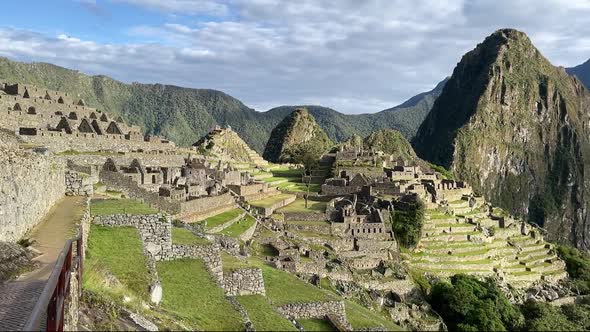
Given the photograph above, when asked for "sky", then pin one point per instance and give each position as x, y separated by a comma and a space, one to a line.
356, 56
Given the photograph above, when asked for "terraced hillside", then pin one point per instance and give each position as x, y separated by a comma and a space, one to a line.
463, 239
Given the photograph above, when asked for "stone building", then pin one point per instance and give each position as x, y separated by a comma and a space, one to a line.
61, 121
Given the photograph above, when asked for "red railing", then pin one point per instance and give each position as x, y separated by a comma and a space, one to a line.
51, 303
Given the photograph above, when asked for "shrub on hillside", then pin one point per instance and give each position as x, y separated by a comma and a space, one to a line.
577, 265
467, 304
542, 316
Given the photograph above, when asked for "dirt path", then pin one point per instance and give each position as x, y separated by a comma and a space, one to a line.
18, 297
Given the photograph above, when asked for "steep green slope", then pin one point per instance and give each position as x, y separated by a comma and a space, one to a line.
184, 115
582, 72
298, 132
391, 142
515, 127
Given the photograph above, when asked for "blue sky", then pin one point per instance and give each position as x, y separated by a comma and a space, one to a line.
354, 56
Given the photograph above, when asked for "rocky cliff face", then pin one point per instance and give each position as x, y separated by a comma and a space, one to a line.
517, 129
296, 132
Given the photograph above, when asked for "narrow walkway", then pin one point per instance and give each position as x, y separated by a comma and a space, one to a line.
18, 297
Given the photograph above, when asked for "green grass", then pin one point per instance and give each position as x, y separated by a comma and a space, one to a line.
287, 173
192, 294
221, 218
186, 237
270, 201
361, 317
239, 227
317, 325
119, 206
262, 314
231, 263
120, 251
283, 287
299, 206
301, 187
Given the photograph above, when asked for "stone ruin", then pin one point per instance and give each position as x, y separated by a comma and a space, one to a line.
61, 122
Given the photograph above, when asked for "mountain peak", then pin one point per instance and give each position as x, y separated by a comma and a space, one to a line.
295, 131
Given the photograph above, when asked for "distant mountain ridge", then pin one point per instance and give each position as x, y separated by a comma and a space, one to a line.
184, 115
582, 72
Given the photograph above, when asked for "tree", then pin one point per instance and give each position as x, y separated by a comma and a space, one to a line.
308, 155
407, 223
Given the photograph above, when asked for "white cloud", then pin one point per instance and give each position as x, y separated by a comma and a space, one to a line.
181, 6
351, 55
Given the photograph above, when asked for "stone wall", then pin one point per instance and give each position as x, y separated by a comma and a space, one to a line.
207, 203
210, 254
166, 159
71, 309
184, 209
119, 182
267, 211
246, 281
304, 216
335, 311
339, 190
30, 184
59, 142
155, 231
79, 184
317, 228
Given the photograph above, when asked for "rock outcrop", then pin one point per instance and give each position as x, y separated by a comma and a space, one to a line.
298, 132
516, 128
228, 145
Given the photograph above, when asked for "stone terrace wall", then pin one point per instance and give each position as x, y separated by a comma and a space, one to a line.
210, 254
334, 310
120, 182
245, 281
58, 142
79, 184
155, 231
207, 203
30, 184
147, 159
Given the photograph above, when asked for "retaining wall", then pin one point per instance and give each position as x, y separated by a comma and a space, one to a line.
30, 184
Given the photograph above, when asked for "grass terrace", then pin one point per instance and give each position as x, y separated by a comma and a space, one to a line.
100, 207
118, 251
183, 236
221, 218
283, 287
299, 206
317, 325
239, 227
263, 315
363, 318
270, 201
192, 294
